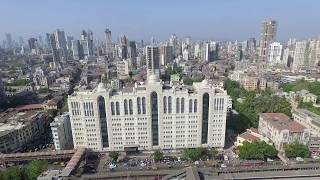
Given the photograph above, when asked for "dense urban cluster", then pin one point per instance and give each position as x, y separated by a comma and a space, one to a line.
100, 105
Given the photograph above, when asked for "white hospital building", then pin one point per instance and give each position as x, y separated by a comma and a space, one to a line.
149, 116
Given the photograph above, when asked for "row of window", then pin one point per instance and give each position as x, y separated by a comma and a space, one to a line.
180, 105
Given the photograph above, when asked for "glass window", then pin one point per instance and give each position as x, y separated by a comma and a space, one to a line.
117, 108
143, 105
190, 105
112, 108
195, 106
178, 105
164, 104
182, 105
125, 107
130, 106
169, 105
139, 105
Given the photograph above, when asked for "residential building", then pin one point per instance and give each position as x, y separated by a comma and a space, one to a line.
149, 116
153, 60
311, 121
275, 54
251, 135
123, 69
61, 132
21, 128
109, 50
267, 36
281, 130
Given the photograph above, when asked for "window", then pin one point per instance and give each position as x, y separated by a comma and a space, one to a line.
103, 121
195, 106
112, 108
190, 105
154, 118
169, 105
130, 106
117, 108
182, 105
139, 105
205, 118
125, 107
177, 105
164, 104
143, 105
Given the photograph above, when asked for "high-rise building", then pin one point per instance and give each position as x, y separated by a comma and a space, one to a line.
275, 53
166, 54
153, 60
109, 50
9, 42
32, 43
132, 50
53, 47
77, 50
301, 55
149, 116
61, 43
268, 35
61, 132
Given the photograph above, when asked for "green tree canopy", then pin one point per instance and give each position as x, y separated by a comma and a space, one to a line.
157, 155
296, 150
113, 156
258, 150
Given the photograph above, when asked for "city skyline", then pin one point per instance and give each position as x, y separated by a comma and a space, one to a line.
143, 19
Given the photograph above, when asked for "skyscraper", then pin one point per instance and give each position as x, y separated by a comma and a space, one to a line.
53, 47
268, 34
32, 43
109, 51
61, 43
9, 43
275, 54
153, 61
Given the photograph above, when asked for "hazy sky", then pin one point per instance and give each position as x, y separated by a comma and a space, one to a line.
142, 19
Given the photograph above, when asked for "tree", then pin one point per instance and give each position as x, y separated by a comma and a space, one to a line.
157, 155
193, 154
114, 156
296, 150
212, 152
52, 112
258, 150
12, 173
35, 168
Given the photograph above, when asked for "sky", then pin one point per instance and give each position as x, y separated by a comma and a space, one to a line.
143, 19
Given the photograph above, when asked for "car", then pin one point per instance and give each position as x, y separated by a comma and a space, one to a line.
112, 166
223, 166
269, 160
143, 164
299, 159
196, 162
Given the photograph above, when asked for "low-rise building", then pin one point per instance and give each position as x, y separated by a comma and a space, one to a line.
281, 130
61, 132
21, 129
311, 121
250, 135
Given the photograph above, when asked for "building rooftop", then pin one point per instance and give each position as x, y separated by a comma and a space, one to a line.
281, 121
315, 118
13, 120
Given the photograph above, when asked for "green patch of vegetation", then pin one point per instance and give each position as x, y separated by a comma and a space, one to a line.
168, 72
19, 82
157, 155
43, 90
312, 87
258, 150
255, 102
296, 150
29, 172
113, 155
309, 106
190, 81
198, 153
